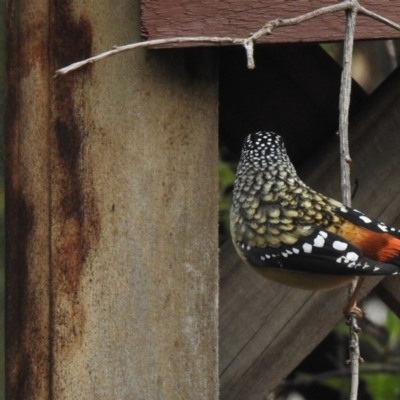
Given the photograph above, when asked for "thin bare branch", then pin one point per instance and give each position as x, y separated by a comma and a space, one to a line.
377, 17
249, 47
355, 356
344, 105
269, 27
149, 44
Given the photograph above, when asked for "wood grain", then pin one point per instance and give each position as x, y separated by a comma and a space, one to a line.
238, 18
112, 269
267, 329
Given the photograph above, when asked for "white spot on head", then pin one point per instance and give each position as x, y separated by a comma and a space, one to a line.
319, 241
352, 256
338, 245
366, 219
307, 248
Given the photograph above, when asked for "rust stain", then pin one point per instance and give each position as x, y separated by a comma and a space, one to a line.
25, 358
77, 217
27, 336
27, 347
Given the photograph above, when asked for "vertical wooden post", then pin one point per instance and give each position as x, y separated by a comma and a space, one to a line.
111, 210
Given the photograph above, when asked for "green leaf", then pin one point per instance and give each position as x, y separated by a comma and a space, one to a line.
383, 386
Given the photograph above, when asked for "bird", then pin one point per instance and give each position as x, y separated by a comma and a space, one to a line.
291, 234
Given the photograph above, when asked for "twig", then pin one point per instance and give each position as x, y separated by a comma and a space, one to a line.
147, 44
248, 43
377, 17
344, 105
268, 28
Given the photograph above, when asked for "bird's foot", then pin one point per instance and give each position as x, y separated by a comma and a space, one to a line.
351, 309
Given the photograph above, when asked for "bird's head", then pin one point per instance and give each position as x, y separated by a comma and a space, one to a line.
264, 150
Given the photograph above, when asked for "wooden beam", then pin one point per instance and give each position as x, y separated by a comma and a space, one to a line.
267, 329
239, 18
112, 196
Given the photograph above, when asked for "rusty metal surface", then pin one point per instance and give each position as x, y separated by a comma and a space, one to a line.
112, 253
27, 236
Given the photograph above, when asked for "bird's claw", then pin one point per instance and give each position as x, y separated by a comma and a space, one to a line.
358, 313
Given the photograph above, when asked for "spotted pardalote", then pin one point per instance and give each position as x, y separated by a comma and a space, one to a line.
293, 235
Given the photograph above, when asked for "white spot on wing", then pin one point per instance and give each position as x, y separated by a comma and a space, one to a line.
323, 234
319, 241
366, 219
338, 245
343, 209
383, 227
376, 269
307, 248
352, 256
296, 251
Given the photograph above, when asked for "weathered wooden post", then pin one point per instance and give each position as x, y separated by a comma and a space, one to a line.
111, 210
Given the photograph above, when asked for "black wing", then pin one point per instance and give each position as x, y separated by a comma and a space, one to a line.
322, 252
